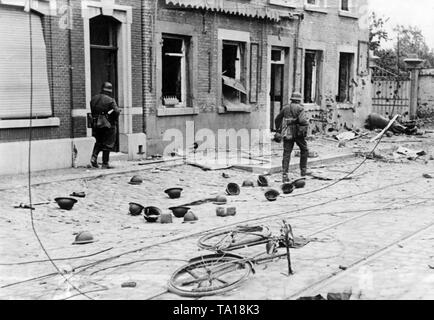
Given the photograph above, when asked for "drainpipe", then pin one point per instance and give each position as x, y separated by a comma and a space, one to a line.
71, 85
143, 43
296, 43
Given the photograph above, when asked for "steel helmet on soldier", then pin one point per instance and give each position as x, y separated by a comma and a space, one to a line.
296, 96
107, 87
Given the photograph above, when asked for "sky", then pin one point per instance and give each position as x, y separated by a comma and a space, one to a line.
407, 12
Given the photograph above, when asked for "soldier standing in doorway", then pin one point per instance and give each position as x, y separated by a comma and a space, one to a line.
104, 107
292, 124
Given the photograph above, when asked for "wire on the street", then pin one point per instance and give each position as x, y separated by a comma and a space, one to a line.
29, 171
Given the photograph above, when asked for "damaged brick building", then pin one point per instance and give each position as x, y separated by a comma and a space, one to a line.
207, 64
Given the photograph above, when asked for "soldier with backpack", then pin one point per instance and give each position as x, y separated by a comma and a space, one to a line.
292, 124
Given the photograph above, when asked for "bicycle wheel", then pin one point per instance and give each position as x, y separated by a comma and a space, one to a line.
234, 239
208, 276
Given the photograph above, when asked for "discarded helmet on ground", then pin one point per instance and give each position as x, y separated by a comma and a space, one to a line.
288, 188
190, 217
66, 203
152, 214
263, 181
84, 237
299, 184
136, 180
233, 189
179, 212
166, 218
272, 195
221, 199
296, 96
248, 183
136, 209
174, 193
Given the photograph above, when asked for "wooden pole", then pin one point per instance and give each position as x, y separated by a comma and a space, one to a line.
381, 134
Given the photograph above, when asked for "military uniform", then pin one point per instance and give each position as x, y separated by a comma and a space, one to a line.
293, 124
105, 137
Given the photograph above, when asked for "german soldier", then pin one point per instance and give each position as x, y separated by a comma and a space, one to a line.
105, 132
292, 124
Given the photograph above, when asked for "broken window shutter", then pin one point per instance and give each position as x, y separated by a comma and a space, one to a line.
15, 68
254, 66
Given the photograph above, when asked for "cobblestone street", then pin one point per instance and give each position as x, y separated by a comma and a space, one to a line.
371, 234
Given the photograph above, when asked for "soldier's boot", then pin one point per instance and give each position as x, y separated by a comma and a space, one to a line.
303, 164
105, 160
285, 178
94, 159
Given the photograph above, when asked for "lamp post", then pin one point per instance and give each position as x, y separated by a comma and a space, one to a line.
414, 64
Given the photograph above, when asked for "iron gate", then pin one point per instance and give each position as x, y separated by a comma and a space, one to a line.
390, 93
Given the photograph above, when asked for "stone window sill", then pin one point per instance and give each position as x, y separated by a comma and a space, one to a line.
25, 123
171, 112
345, 106
348, 14
223, 110
312, 8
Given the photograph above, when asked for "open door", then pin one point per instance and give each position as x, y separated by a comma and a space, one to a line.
104, 51
276, 84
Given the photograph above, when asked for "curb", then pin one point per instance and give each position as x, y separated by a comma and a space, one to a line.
94, 174
295, 166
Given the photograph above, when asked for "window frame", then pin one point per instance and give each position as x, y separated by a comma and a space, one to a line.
319, 54
351, 76
181, 30
319, 6
226, 36
184, 66
352, 9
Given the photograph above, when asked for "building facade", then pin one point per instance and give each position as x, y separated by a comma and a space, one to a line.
188, 67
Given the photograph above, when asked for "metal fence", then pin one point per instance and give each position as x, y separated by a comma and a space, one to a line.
391, 93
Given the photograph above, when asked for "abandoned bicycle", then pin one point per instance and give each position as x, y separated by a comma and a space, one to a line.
223, 271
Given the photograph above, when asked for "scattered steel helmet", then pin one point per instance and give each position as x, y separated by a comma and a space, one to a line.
107, 87
233, 189
296, 96
174, 193
179, 212
84, 237
152, 211
221, 199
300, 183
288, 188
136, 180
248, 183
263, 181
136, 209
190, 217
272, 195
66, 203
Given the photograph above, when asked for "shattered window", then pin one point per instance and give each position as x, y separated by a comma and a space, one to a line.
345, 78
233, 71
311, 76
174, 70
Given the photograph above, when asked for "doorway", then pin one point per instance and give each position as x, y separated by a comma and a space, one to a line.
276, 84
104, 56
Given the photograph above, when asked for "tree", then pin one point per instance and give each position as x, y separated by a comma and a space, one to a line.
412, 41
377, 32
